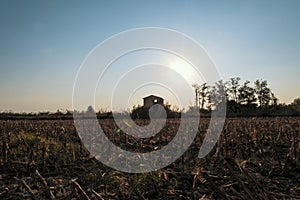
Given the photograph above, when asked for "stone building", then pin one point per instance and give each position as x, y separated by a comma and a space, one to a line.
151, 100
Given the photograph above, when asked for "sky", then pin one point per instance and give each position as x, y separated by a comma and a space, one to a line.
44, 43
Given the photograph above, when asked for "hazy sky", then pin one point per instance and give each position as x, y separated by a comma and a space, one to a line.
43, 43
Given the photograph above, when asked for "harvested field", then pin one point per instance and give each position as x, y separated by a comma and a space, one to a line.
255, 158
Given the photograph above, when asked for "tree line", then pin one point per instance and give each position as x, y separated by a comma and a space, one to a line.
243, 99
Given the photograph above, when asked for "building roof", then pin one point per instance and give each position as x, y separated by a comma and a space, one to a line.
153, 96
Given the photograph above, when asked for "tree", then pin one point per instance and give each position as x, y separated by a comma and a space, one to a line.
197, 89
203, 94
217, 94
296, 102
263, 93
246, 94
274, 99
295, 107
233, 88
90, 110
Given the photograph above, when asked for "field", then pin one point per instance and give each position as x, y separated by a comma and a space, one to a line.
255, 158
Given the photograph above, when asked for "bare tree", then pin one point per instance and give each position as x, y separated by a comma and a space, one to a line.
203, 95
197, 90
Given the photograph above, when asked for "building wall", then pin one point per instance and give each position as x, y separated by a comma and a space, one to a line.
151, 100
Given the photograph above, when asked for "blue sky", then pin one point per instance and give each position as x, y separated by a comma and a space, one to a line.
43, 43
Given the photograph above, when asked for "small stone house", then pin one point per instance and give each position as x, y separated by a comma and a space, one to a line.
151, 100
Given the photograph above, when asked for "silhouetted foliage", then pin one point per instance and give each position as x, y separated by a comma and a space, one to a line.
296, 102
141, 112
241, 99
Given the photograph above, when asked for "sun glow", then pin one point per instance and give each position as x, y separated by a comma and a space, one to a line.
186, 70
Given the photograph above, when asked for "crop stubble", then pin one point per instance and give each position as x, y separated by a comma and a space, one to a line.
255, 158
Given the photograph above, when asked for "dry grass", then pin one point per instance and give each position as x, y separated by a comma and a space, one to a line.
255, 158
